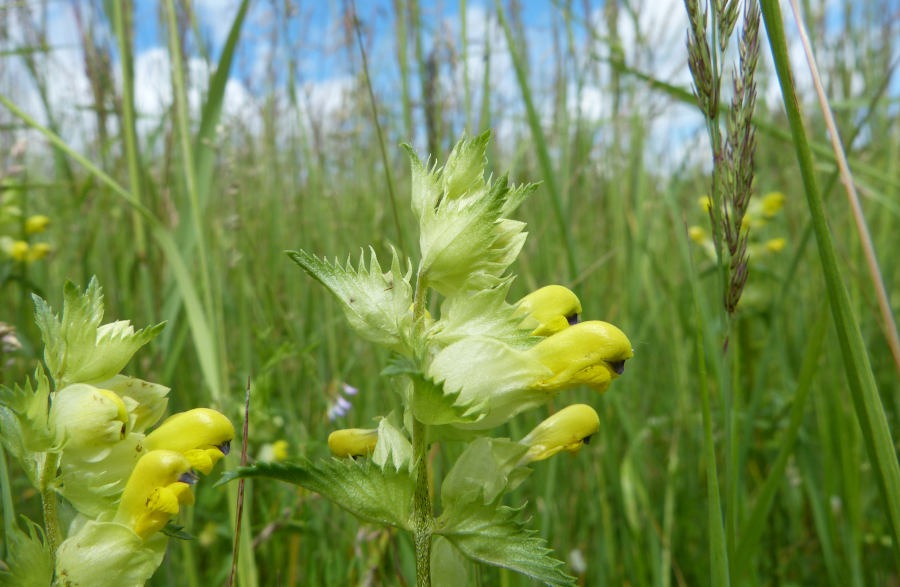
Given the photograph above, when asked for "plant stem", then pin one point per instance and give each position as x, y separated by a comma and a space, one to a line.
422, 514
48, 501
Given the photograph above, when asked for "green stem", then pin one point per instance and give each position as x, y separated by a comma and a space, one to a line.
423, 518
49, 502
860, 379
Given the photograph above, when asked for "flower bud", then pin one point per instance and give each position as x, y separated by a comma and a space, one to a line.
352, 442
158, 486
202, 435
549, 309
566, 430
591, 353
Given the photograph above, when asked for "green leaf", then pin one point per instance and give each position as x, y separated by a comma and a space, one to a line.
483, 473
448, 565
361, 488
377, 305
490, 533
23, 421
28, 558
430, 404
476, 522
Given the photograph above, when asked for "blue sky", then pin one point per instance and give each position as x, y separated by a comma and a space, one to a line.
325, 69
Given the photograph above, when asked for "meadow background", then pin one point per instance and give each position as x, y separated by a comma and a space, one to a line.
185, 146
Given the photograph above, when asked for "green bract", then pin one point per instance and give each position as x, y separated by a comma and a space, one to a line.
459, 374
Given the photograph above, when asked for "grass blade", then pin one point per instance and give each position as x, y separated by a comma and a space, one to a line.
866, 401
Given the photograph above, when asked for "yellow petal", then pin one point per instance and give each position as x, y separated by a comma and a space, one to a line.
352, 442
156, 489
203, 435
36, 223
566, 430
549, 309
591, 353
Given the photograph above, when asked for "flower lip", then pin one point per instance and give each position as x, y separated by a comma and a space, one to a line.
189, 477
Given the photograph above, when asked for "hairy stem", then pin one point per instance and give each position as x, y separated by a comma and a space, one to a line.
49, 502
423, 517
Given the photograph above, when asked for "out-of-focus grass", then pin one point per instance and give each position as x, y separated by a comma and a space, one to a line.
633, 504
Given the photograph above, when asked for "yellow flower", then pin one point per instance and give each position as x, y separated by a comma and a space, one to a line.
19, 250
697, 234
38, 251
352, 442
280, 450
772, 203
549, 309
705, 203
202, 435
37, 223
159, 485
591, 353
273, 452
776, 244
566, 430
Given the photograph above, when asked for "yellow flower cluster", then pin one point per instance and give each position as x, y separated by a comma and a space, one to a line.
591, 353
760, 213
21, 249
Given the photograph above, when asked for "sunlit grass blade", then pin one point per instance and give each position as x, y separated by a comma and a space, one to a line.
548, 171
863, 390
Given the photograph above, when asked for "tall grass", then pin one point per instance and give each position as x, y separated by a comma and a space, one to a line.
187, 222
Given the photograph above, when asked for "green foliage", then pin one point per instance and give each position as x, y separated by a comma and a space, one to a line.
372, 493
376, 304
798, 485
30, 561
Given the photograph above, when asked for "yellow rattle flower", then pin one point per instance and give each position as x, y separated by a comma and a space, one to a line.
19, 250
202, 435
353, 442
549, 309
37, 223
591, 353
566, 430
159, 485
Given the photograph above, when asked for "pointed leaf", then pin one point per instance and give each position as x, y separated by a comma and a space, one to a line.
29, 561
491, 533
377, 305
361, 488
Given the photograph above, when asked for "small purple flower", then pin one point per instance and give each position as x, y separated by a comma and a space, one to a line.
341, 405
